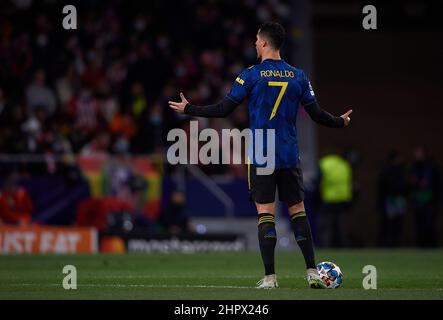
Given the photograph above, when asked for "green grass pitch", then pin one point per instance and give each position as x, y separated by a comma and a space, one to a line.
402, 274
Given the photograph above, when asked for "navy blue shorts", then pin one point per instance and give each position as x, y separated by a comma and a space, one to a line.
288, 182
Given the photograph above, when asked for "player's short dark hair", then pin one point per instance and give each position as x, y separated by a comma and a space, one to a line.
274, 32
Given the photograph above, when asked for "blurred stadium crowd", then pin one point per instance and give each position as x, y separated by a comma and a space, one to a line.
104, 87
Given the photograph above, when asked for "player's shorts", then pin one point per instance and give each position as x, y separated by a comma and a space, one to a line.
288, 182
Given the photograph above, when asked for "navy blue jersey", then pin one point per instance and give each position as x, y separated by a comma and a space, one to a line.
275, 90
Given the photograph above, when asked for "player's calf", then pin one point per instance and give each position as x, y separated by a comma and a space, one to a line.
267, 239
303, 236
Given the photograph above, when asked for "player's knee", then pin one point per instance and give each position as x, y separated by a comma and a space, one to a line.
296, 209
265, 207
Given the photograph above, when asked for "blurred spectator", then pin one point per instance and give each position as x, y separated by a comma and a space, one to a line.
336, 196
94, 75
33, 128
109, 104
15, 203
392, 191
425, 180
149, 135
67, 85
39, 94
12, 137
122, 126
54, 141
85, 111
138, 100
99, 146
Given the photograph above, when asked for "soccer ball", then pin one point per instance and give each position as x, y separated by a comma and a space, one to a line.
331, 274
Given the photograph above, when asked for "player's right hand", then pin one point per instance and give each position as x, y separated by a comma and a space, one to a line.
346, 117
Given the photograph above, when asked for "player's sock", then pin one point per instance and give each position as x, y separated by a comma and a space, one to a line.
303, 236
267, 239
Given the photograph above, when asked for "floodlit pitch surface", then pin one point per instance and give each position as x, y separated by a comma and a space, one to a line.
402, 274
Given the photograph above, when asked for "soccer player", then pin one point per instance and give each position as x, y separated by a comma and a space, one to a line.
275, 90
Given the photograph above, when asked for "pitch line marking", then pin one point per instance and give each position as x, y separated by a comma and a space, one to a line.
130, 285
184, 286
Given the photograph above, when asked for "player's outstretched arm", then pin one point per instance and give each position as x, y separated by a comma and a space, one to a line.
218, 110
323, 117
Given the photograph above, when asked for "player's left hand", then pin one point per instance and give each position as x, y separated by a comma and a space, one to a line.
346, 117
179, 106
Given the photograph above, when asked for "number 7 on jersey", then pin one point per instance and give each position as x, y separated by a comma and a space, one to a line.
283, 86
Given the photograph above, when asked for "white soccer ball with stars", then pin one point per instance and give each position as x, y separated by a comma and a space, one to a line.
330, 274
